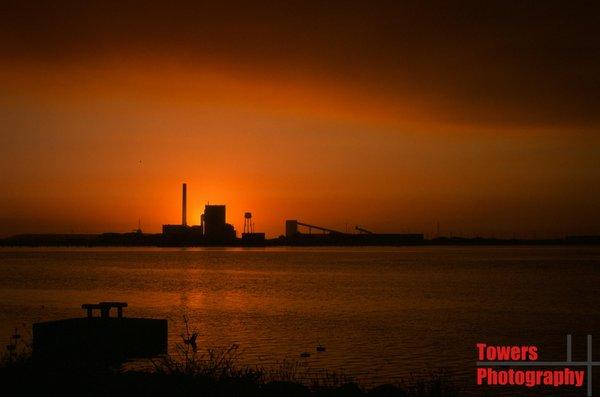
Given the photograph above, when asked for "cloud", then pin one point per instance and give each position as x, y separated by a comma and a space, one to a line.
485, 62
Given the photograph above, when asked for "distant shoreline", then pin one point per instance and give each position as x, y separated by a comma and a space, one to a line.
157, 240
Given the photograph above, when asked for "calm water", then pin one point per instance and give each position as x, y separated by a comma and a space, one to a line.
382, 313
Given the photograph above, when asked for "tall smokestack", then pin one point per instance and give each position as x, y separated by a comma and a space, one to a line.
184, 205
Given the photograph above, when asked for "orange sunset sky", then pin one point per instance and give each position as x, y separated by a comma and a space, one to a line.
392, 115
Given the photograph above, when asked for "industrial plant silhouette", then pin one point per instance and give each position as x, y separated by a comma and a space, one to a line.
213, 227
213, 230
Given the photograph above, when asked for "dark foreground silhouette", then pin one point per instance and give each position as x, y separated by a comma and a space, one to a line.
101, 338
213, 376
89, 357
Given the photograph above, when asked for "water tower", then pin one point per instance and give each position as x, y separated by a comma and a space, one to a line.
248, 226
249, 237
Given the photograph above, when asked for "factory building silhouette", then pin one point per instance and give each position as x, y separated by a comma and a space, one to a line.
326, 236
213, 228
